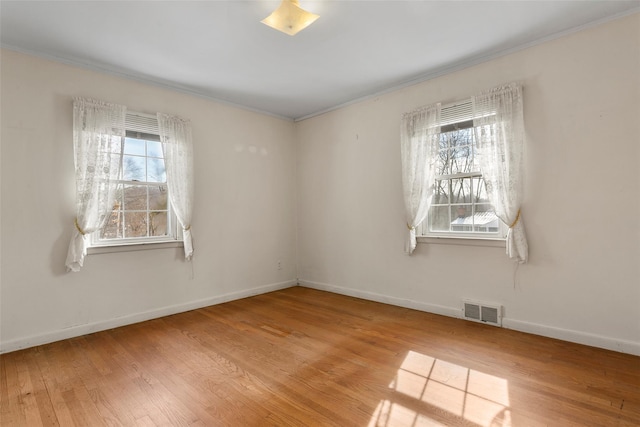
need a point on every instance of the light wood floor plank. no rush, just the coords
(301, 357)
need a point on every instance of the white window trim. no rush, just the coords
(143, 123)
(460, 237)
(96, 243)
(495, 242)
(130, 247)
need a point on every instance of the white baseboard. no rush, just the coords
(593, 340)
(372, 296)
(578, 337)
(90, 328)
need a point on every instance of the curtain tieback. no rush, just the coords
(187, 228)
(80, 230)
(410, 227)
(513, 224)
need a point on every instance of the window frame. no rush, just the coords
(456, 116)
(144, 127)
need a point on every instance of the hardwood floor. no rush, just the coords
(301, 357)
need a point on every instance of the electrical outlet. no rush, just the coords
(279, 265)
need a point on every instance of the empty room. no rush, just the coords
(320, 213)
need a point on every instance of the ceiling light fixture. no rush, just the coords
(290, 18)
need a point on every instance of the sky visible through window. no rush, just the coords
(143, 161)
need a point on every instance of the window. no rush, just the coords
(446, 192)
(134, 180)
(141, 211)
(460, 206)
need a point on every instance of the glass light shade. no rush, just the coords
(290, 18)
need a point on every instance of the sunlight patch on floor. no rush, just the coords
(425, 385)
(393, 414)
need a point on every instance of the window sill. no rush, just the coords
(134, 247)
(464, 241)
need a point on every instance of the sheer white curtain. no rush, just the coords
(499, 127)
(175, 135)
(419, 135)
(98, 136)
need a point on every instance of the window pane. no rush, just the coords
(485, 220)
(461, 190)
(135, 224)
(155, 170)
(134, 146)
(461, 160)
(133, 168)
(479, 191)
(135, 197)
(158, 197)
(115, 164)
(459, 157)
(442, 163)
(484, 207)
(113, 227)
(462, 218)
(439, 218)
(475, 166)
(456, 153)
(117, 199)
(158, 223)
(444, 141)
(441, 192)
(154, 149)
(461, 137)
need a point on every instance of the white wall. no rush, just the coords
(582, 113)
(244, 219)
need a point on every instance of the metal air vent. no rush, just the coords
(482, 312)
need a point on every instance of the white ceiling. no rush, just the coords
(220, 50)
